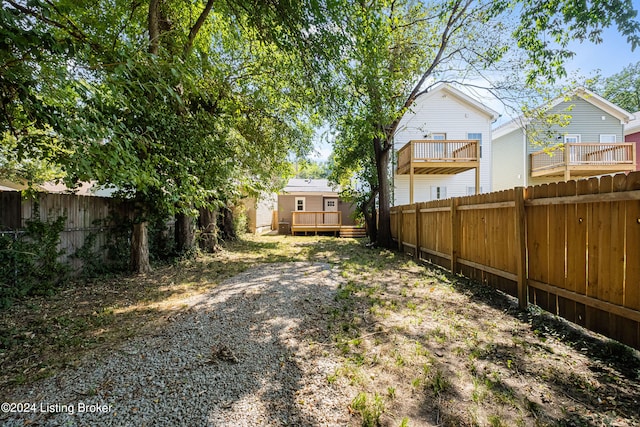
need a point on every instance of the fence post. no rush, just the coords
(521, 247)
(416, 253)
(399, 227)
(455, 234)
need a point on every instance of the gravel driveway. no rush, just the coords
(251, 352)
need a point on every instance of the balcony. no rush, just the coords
(441, 157)
(438, 157)
(583, 159)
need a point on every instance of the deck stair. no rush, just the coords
(352, 231)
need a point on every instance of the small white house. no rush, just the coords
(443, 146)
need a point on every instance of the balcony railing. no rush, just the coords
(423, 155)
(316, 221)
(583, 159)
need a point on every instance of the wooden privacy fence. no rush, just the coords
(84, 215)
(572, 248)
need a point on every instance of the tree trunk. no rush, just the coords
(225, 221)
(185, 233)
(373, 235)
(208, 241)
(384, 200)
(140, 249)
(369, 211)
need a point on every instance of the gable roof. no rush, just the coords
(297, 185)
(585, 94)
(461, 97)
(634, 125)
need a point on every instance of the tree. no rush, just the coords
(306, 169)
(623, 88)
(401, 48)
(173, 104)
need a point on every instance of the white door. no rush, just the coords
(331, 205)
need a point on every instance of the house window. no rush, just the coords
(608, 139)
(438, 193)
(477, 136)
(471, 191)
(300, 201)
(572, 138)
(439, 136)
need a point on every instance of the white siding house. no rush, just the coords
(447, 114)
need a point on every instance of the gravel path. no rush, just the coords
(248, 353)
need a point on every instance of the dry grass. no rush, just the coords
(420, 346)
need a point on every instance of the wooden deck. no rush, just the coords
(323, 222)
(443, 157)
(316, 221)
(584, 159)
(438, 157)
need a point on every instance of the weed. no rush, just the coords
(370, 409)
(391, 392)
(495, 421)
(439, 383)
(405, 422)
(479, 393)
(416, 383)
(332, 378)
(398, 358)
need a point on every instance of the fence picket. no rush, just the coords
(563, 246)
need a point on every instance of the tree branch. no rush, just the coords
(72, 31)
(196, 28)
(456, 14)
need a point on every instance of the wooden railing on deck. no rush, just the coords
(438, 151)
(317, 219)
(583, 154)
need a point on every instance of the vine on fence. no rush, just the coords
(29, 262)
(113, 255)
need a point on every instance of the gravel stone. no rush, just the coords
(251, 352)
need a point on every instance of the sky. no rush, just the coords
(609, 57)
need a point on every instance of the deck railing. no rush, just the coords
(316, 219)
(583, 154)
(438, 151)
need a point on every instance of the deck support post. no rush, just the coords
(411, 172)
(478, 168)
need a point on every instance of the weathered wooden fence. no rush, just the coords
(84, 215)
(572, 248)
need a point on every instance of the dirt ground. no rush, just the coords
(418, 346)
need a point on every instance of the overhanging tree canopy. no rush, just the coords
(401, 48)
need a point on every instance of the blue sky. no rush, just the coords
(610, 57)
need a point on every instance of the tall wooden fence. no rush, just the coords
(572, 248)
(84, 215)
